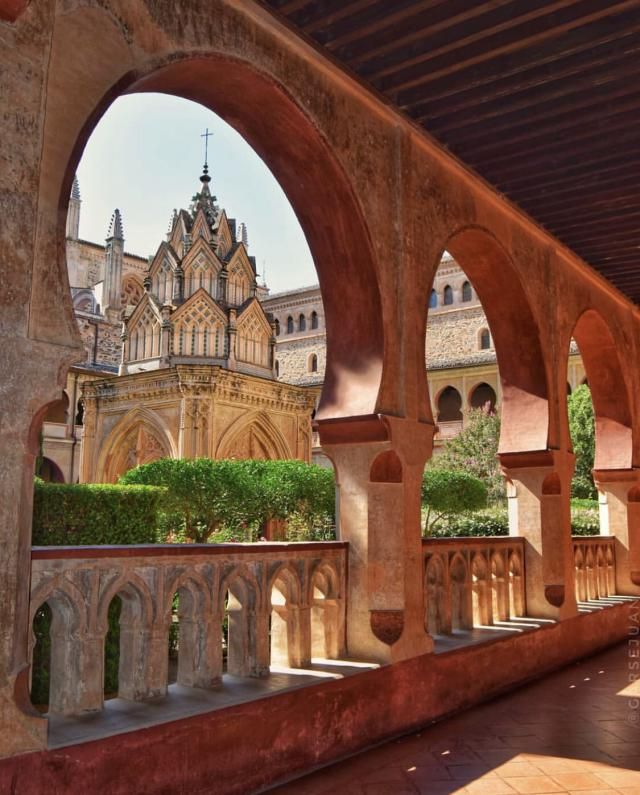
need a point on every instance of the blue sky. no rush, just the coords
(145, 157)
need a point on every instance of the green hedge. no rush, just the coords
(585, 521)
(92, 514)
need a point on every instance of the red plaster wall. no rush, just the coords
(247, 747)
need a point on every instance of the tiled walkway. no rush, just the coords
(576, 731)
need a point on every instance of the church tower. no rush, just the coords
(114, 255)
(73, 214)
(200, 304)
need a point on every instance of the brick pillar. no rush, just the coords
(619, 496)
(538, 488)
(379, 462)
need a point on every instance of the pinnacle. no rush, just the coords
(75, 188)
(115, 226)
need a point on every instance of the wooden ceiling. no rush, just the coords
(540, 97)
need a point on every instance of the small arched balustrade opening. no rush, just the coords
(461, 602)
(438, 618)
(449, 405)
(325, 630)
(481, 592)
(287, 634)
(499, 589)
(239, 629)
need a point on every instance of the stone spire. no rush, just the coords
(115, 227)
(204, 199)
(114, 256)
(242, 236)
(73, 213)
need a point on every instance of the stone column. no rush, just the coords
(538, 489)
(87, 448)
(299, 635)
(619, 497)
(200, 655)
(379, 463)
(77, 671)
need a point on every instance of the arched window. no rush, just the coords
(302, 323)
(449, 405)
(289, 325)
(485, 340)
(313, 363)
(277, 327)
(314, 320)
(447, 296)
(433, 299)
(483, 397)
(467, 295)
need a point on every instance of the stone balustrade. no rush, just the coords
(284, 603)
(595, 564)
(472, 582)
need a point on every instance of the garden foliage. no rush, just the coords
(91, 513)
(583, 439)
(445, 493)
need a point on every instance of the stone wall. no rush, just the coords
(294, 357)
(107, 350)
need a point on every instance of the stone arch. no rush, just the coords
(499, 588)
(449, 405)
(611, 404)
(284, 593)
(68, 625)
(139, 437)
(515, 334)
(483, 396)
(294, 148)
(199, 647)
(254, 435)
(242, 609)
(137, 600)
(324, 597)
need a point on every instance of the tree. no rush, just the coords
(583, 438)
(202, 495)
(475, 451)
(445, 493)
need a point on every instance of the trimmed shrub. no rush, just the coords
(93, 514)
(445, 493)
(490, 522)
(220, 501)
(583, 439)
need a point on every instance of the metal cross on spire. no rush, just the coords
(206, 135)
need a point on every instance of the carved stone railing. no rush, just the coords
(472, 582)
(283, 603)
(595, 562)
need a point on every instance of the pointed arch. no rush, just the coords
(139, 437)
(237, 441)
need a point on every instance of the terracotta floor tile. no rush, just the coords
(518, 769)
(493, 786)
(535, 785)
(577, 781)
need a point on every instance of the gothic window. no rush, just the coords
(197, 331)
(277, 327)
(302, 323)
(447, 296)
(433, 299)
(132, 291)
(163, 283)
(252, 343)
(314, 320)
(144, 338)
(466, 292)
(485, 340)
(289, 325)
(313, 363)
